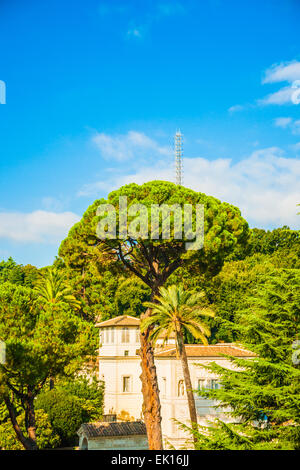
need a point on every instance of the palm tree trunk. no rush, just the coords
(151, 401)
(188, 383)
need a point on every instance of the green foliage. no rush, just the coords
(268, 242)
(96, 290)
(15, 273)
(91, 393)
(264, 393)
(230, 289)
(4, 415)
(72, 403)
(92, 285)
(177, 311)
(40, 343)
(130, 296)
(65, 413)
(46, 436)
(52, 289)
(250, 279)
(219, 435)
(96, 269)
(239, 277)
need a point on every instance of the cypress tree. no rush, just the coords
(262, 394)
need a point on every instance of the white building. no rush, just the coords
(120, 368)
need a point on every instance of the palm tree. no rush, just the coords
(53, 289)
(177, 311)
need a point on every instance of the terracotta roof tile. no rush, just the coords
(199, 350)
(103, 429)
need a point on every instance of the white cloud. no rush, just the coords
(39, 226)
(125, 147)
(160, 170)
(282, 96)
(296, 147)
(284, 72)
(282, 122)
(293, 125)
(52, 204)
(92, 189)
(296, 127)
(265, 185)
(235, 108)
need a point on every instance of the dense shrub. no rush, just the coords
(66, 414)
(89, 391)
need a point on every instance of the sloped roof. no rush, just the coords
(199, 350)
(121, 320)
(105, 429)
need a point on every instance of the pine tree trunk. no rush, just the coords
(28, 443)
(31, 422)
(151, 401)
(188, 383)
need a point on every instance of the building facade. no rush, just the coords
(120, 369)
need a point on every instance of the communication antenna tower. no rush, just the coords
(178, 157)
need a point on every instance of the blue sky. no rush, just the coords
(96, 90)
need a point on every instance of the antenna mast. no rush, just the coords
(178, 157)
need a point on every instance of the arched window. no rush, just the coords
(84, 444)
(180, 391)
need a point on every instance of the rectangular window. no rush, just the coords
(112, 335)
(126, 353)
(201, 384)
(213, 384)
(126, 384)
(137, 335)
(107, 335)
(125, 335)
